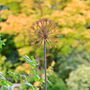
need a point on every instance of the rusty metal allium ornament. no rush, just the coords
(42, 31)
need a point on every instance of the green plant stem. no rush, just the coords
(45, 61)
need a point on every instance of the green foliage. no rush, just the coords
(31, 61)
(10, 54)
(4, 53)
(71, 62)
(36, 78)
(72, 48)
(56, 83)
(80, 78)
(14, 7)
(4, 82)
(1, 43)
(25, 80)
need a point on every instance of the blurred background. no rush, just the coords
(69, 57)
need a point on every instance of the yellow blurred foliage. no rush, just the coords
(24, 68)
(37, 84)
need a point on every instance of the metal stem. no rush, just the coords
(45, 61)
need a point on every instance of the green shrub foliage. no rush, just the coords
(80, 78)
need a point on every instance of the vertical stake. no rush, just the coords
(45, 62)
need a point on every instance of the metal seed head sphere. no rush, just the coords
(43, 29)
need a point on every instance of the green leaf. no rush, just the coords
(29, 84)
(49, 82)
(31, 61)
(28, 60)
(2, 77)
(2, 42)
(15, 76)
(6, 83)
(37, 78)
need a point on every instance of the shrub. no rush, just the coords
(79, 79)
